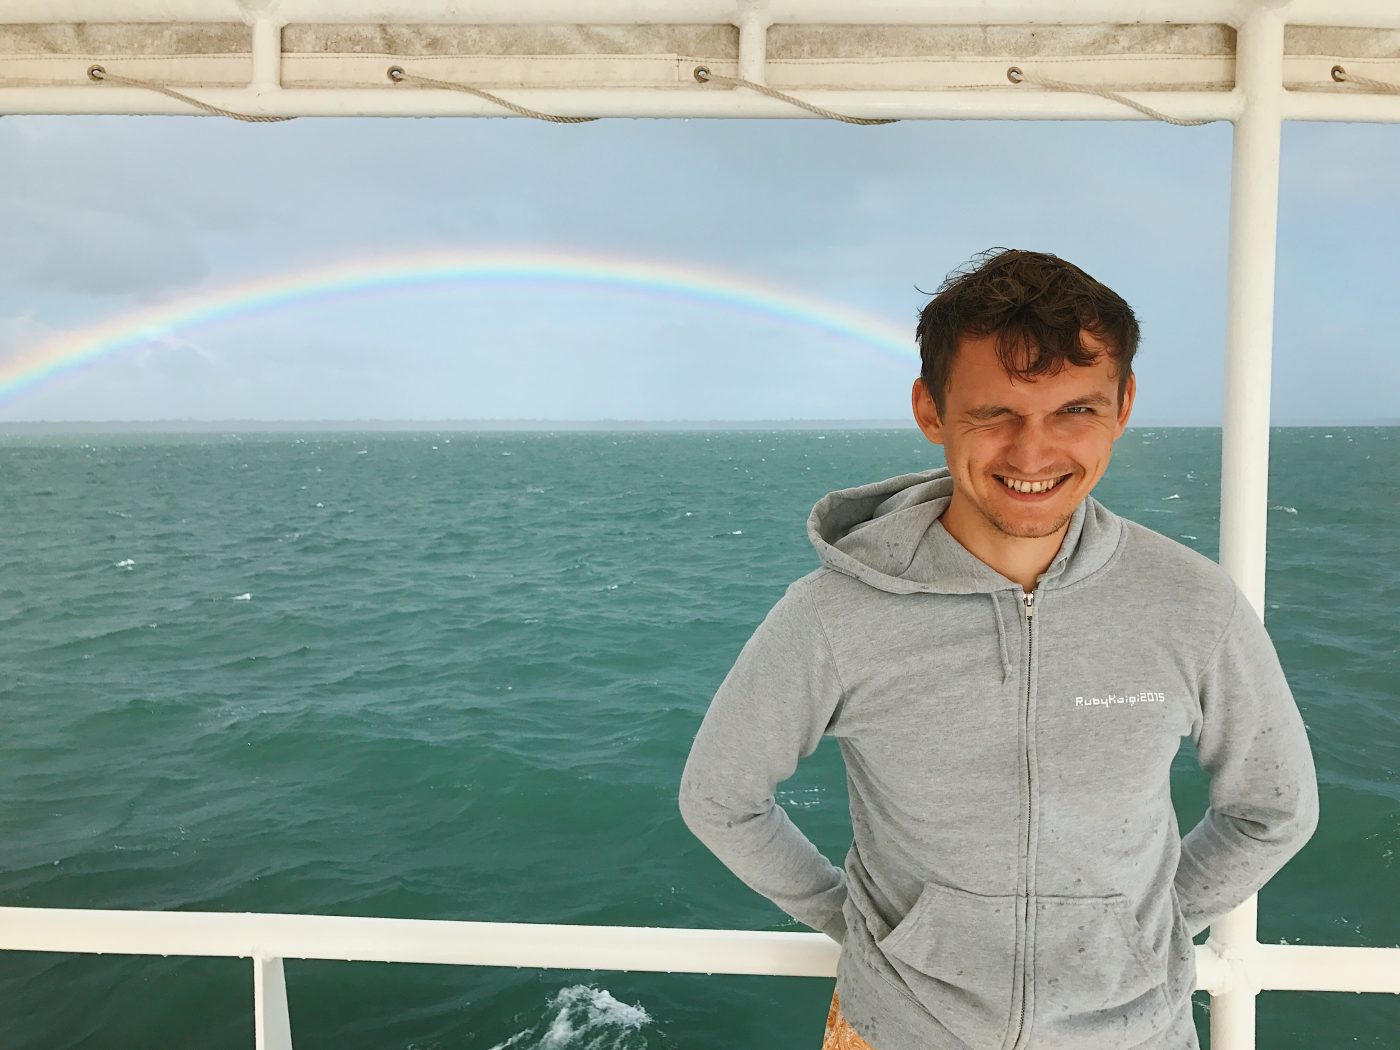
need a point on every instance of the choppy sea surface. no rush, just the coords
(455, 675)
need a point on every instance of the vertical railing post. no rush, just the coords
(272, 1024)
(1244, 474)
(753, 41)
(267, 53)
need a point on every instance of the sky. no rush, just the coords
(701, 269)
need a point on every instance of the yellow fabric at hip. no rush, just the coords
(839, 1034)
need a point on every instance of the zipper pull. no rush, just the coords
(1028, 600)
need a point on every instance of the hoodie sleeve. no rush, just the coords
(1251, 740)
(772, 708)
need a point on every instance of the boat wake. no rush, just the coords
(582, 1017)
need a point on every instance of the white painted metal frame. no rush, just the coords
(268, 939)
(265, 97)
(1233, 966)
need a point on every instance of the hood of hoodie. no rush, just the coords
(889, 534)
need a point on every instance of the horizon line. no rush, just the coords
(499, 422)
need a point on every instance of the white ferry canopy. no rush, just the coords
(601, 58)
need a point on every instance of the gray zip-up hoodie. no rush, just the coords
(1016, 879)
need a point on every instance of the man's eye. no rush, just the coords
(1079, 408)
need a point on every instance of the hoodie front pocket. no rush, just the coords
(956, 952)
(1097, 984)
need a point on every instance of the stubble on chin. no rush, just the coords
(1026, 530)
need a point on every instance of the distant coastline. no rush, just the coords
(224, 426)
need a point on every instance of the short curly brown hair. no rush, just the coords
(1037, 304)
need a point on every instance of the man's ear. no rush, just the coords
(926, 412)
(1129, 391)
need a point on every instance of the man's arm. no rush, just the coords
(1263, 785)
(772, 708)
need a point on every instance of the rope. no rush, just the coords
(1016, 76)
(704, 76)
(1341, 76)
(99, 74)
(398, 76)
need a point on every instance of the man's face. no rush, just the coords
(1057, 427)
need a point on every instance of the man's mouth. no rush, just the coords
(1030, 487)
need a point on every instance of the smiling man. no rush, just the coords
(1009, 669)
(1023, 454)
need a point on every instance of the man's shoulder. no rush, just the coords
(829, 591)
(1149, 553)
(823, 583)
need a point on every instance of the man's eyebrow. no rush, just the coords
(1098, 399)
(987, 412)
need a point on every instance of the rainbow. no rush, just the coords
(402, 273)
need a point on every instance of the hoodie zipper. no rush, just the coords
(1028, 601)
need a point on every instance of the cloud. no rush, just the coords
(20, 333)
(198, 175)
(89, 252)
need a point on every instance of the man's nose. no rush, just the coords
(1032, 448)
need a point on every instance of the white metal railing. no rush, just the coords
(1243, 971)
(265, 96)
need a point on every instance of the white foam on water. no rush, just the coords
(737, 532)
(1174, 495)
(581, 1017)
(1286, 510)
(243, 597)
(125, 563)
(801, 798)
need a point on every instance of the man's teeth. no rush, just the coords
(1029, 486)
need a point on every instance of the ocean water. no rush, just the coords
(455, 675)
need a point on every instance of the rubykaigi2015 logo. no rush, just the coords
(1114, 699)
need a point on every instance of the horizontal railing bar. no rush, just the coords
(605, 12)
(1325, 968)
(943, 105)
(574, 947)
(1317, 105)
(626, 102)
(1377, 14)
(366, 939)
